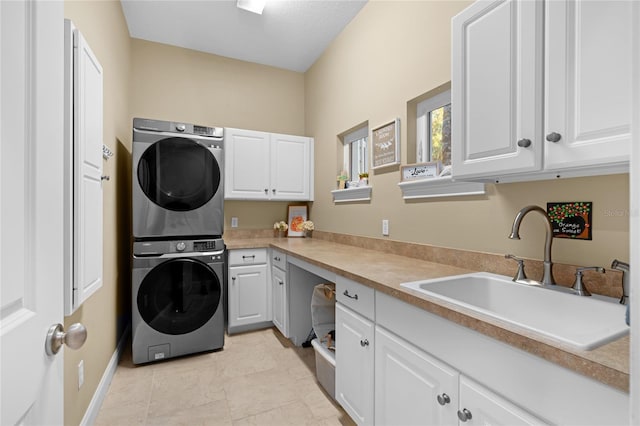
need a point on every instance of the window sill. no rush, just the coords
(361, 193)
(439, 187)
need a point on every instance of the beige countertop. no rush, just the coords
(385, 272)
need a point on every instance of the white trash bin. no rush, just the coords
(323, 319)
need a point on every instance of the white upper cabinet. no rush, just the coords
(588, 84)
(267, 166)
(541, 89)
(496, 88)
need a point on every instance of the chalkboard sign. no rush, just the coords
(385, 145)
(571, 219)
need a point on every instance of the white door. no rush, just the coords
(248, 295)
(246, 165)
(280, 303)
(412, 388)
(290, 167)
(496, 91)
(483, 407)
(31, 209)
(587, 43)
(354, 364)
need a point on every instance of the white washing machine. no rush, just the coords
(177, 298)
(177, 180)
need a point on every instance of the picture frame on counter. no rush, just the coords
(296, 214)
(385, 145)
(420, 171)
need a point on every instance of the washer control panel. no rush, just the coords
(204, 245)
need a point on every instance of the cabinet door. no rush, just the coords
(291, 167)
(496, 88)
(486, 408)
(588, 83)
(354, 364)
(409, 385)
(280, 304)
(249, 301)
(246, 165)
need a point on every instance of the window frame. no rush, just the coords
(423, 123)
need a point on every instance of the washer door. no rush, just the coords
(178, 174)
(179, 296)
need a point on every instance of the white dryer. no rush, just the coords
(177, 298)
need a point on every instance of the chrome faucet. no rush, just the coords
(624, 267)
(547, 275)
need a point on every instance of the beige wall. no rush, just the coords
(170, 83)
(393, 52)
(106, 313)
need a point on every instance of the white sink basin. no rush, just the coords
(582, 322)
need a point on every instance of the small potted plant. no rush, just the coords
(307, 228)
(364, 179)
(280, 228)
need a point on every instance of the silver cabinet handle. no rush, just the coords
(253, 256)
(105, 177)
(443, 399)
(346, 293)
(554, 137)
(74, 338)
(464, 415)
(524, 143)
(364, 343)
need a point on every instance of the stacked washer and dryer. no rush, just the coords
(179, 258)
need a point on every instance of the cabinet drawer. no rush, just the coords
(356, 296)
(247, 257)
(279, 259)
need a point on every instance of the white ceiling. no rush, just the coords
(290, 34)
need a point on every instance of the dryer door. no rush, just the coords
(179, 296)
(179, 174)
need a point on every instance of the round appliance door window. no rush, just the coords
(179, 296)
(178, 174)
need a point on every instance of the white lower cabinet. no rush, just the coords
(480, 406)
(412, 388)
(280, 302)
(248, 288)
(354, 364)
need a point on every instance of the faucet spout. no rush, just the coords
(547, 276)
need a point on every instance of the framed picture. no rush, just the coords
(385, 145)
(420, 171)
(296, 215)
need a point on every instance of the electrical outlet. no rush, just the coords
(385, 227)
(80, 374)
(234, 222)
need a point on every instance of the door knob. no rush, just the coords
(74, 338)
(554, 137)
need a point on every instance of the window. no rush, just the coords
(433, 127)
(356, 160)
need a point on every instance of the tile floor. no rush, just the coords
(259, 378)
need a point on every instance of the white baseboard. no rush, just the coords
(103, 387)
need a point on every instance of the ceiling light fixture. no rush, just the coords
(255, 6)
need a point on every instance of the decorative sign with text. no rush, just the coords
(385, 145)
(571, 220)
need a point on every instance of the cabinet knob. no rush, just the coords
(524, 143)
(364, 343)
(443, 399)
(554, 137)
(273, 190)
(464, 415)
(266, 191)
(233, 279)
